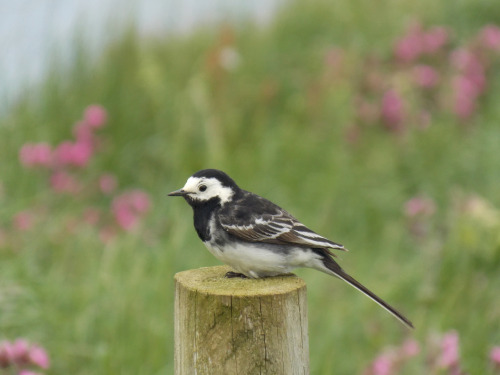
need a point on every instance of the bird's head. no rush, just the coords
(206, 185)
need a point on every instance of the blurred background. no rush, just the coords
(375, 123)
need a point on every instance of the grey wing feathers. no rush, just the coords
(272, 225)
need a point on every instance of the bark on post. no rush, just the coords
(240, 326)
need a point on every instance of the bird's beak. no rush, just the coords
(178, 193)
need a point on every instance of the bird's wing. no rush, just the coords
(256, 219)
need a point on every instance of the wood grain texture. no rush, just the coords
(240, 326)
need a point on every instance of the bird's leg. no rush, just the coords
(231, 275)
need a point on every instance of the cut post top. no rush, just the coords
(212, 280)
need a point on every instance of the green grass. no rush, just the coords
(277, 125)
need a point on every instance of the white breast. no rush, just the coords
(256, 259)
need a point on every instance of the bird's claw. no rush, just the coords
(232, 275)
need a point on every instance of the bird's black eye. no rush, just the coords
(202, 188)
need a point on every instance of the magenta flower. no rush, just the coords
(83, 132)
(383, 365)
(409, 47)
(410, 348)
(28, 372)
(20, 351)
(465, 94)
(129, 207)
(392, 109)
(107, 183)
(38, 357)
(449, 357)
(6, 354)
(435, 39)
(38, 154)
(95, 116)
(419, 206)
(73, 153)
(489, 36)
(425, 76)
(495, 356)
(63, 182)
(23, 220)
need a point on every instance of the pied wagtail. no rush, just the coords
(256, 237)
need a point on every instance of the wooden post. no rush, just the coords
(240, 326)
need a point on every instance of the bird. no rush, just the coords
(256, 237)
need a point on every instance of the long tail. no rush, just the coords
(331, 267)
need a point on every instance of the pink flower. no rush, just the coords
(139, 200)
(410, 348)
(83, 132)
(495, 356)
(425, 76)
(28, 372)
(63, 182)
(409, 47)
(125, 217)
(23, 221)
(449, 357)
(96, 116)
(107, 183)
(392, 110)
(435, 39)
(6, 354)
(417, 42)
(38, 357)
(419, 206)
(489, 37)
(129, 207)
(20, 351)
(465, 94)
(382, 365)
(38, 154)
(73, 153)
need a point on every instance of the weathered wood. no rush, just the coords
(240, 326)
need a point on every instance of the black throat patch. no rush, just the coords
(202, 212)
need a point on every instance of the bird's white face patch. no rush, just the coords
(204, 189)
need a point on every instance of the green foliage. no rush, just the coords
(277, 120)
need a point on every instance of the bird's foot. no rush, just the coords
(231, 275)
